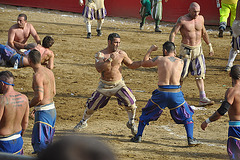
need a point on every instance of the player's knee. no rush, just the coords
(131, 107)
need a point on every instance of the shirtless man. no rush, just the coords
(14, 111)
(191, 27)
(44, 109)
(168, 94)
(232, 105)
(108, 62)
(235, 39)
(19, 33)
(10, 56)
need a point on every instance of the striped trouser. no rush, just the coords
(104, 92)
(156, 9)
(194, 61)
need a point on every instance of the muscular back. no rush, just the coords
(44, 85)
(169, 70)
(232, 96)
(14, 111)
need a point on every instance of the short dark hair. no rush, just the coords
(23, 15)
(47, 42)
(169, 47)
(35, 56)
(235, 72)
(77, 147)
(5, 75)
(112, 36)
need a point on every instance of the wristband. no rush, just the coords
(210, 47)
(207, 121)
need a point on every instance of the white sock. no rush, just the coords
(99, 24)
(86, 116)
(232, 55)
(131, 115)
(88, 25)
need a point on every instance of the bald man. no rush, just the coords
(192, 29)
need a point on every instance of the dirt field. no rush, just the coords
(76, 79)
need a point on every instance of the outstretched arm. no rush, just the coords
(131, 64)
(221, 111)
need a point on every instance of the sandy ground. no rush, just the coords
(76, 79)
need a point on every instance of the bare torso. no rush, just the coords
(233, 95)
(14, 108)
(169, 70)
(111, 71)
(20, 35)
(44, 79)
(191, 30)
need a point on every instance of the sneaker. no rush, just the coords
(205, 101)
(193, 142)
(141, 26)
(99, 33)
(220, 34)
(133, 128)
(89, 35)
(137, 139)
(227, 69)
(158, 30)
(80, 126)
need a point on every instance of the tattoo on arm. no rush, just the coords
(154, 59)
(39, 89)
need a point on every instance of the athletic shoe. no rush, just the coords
(141, 26)
(137, 139)
(193, 142)
(220, 34)
(227, 69)
(80, 126)
(158, 30)
(99, 33)
(205, 101)
(133, 128)
(89, 35)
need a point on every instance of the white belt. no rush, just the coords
(45, 107)
(15, 136)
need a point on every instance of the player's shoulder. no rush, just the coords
(121, 52)
(13, 27)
